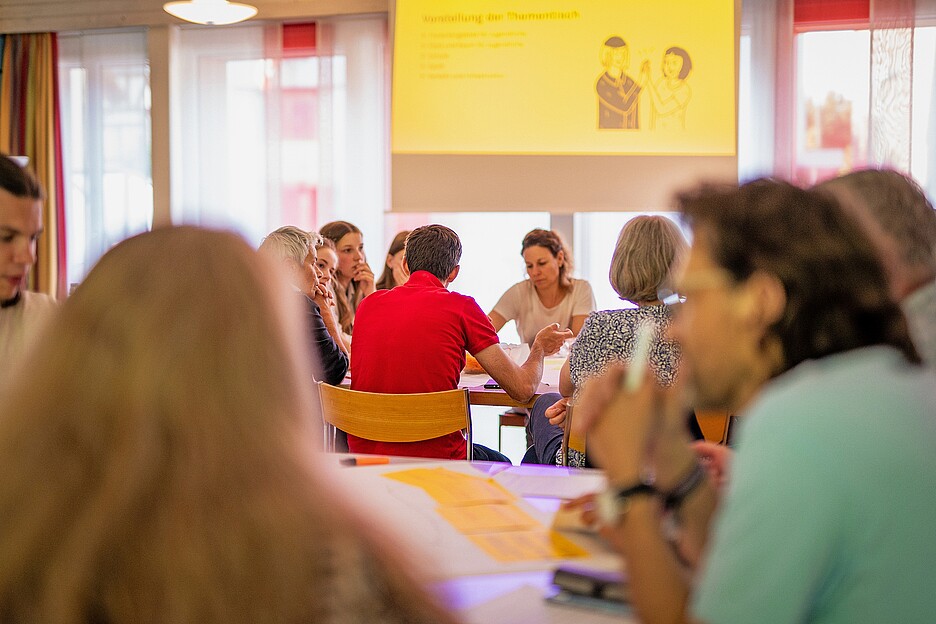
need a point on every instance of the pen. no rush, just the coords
(364, 461)
(638, 364)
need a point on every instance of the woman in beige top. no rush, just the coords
(550, 295)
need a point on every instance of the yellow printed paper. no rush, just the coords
(513, 546)
(488, 518)
(449, 487)
(485, 513)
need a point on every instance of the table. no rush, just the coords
(477, 587)
(479, 395)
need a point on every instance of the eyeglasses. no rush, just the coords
(694, 282)
(703, 279)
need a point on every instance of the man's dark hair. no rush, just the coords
(836, 289)
(433, 248)
(18, 181)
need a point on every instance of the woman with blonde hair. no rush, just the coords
(354, 278)
(550, 295)
(647, 251)
(295, 253)
(157, 459)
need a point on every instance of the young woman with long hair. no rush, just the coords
(354, 278)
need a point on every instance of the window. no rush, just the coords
(923, 146)
(105, 104)
(834, 127)
(833, 91)
(287, 125)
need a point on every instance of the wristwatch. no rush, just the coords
(613, 503)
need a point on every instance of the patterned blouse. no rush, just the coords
(610, 336)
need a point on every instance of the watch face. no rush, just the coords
(610, 507)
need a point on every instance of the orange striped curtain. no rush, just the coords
(29, 126)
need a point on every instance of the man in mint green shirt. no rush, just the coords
(829, 514)
(830, 511)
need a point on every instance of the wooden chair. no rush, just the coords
(714, 425)
(394, 417)
(566, 435)
(576, 442)
(511, 419)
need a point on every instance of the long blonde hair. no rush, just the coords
(348, 300)
(156, 463)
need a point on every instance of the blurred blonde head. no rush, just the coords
(647, 250)
(290, 243)
(157, 455)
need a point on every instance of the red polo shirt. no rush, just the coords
(410, 339)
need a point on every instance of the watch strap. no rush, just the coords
(613, 503)
(674, 498)
(634, 490)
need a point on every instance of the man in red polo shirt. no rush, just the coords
(413, 338)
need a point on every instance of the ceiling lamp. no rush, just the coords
(213, 12)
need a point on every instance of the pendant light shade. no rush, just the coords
(213, 12)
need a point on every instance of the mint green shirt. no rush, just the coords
(831, 512)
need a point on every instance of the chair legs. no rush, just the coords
(513, 419)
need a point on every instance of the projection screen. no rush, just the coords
(560, 106)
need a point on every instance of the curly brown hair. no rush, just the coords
(836, 289)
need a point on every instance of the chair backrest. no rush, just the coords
(570, 440)
(395, 417)
(566, 434)
(714, 425)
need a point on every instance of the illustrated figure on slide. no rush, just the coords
(670, 95)
(618, 93)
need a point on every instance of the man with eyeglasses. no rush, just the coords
(828, 516)
(22, 313)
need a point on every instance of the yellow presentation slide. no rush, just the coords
(564, 77)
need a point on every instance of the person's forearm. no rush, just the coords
(529, 375)
(331, 325)
(675, 463)
(527, 381)
(694, 517)
(659, 589)
(566, 388)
